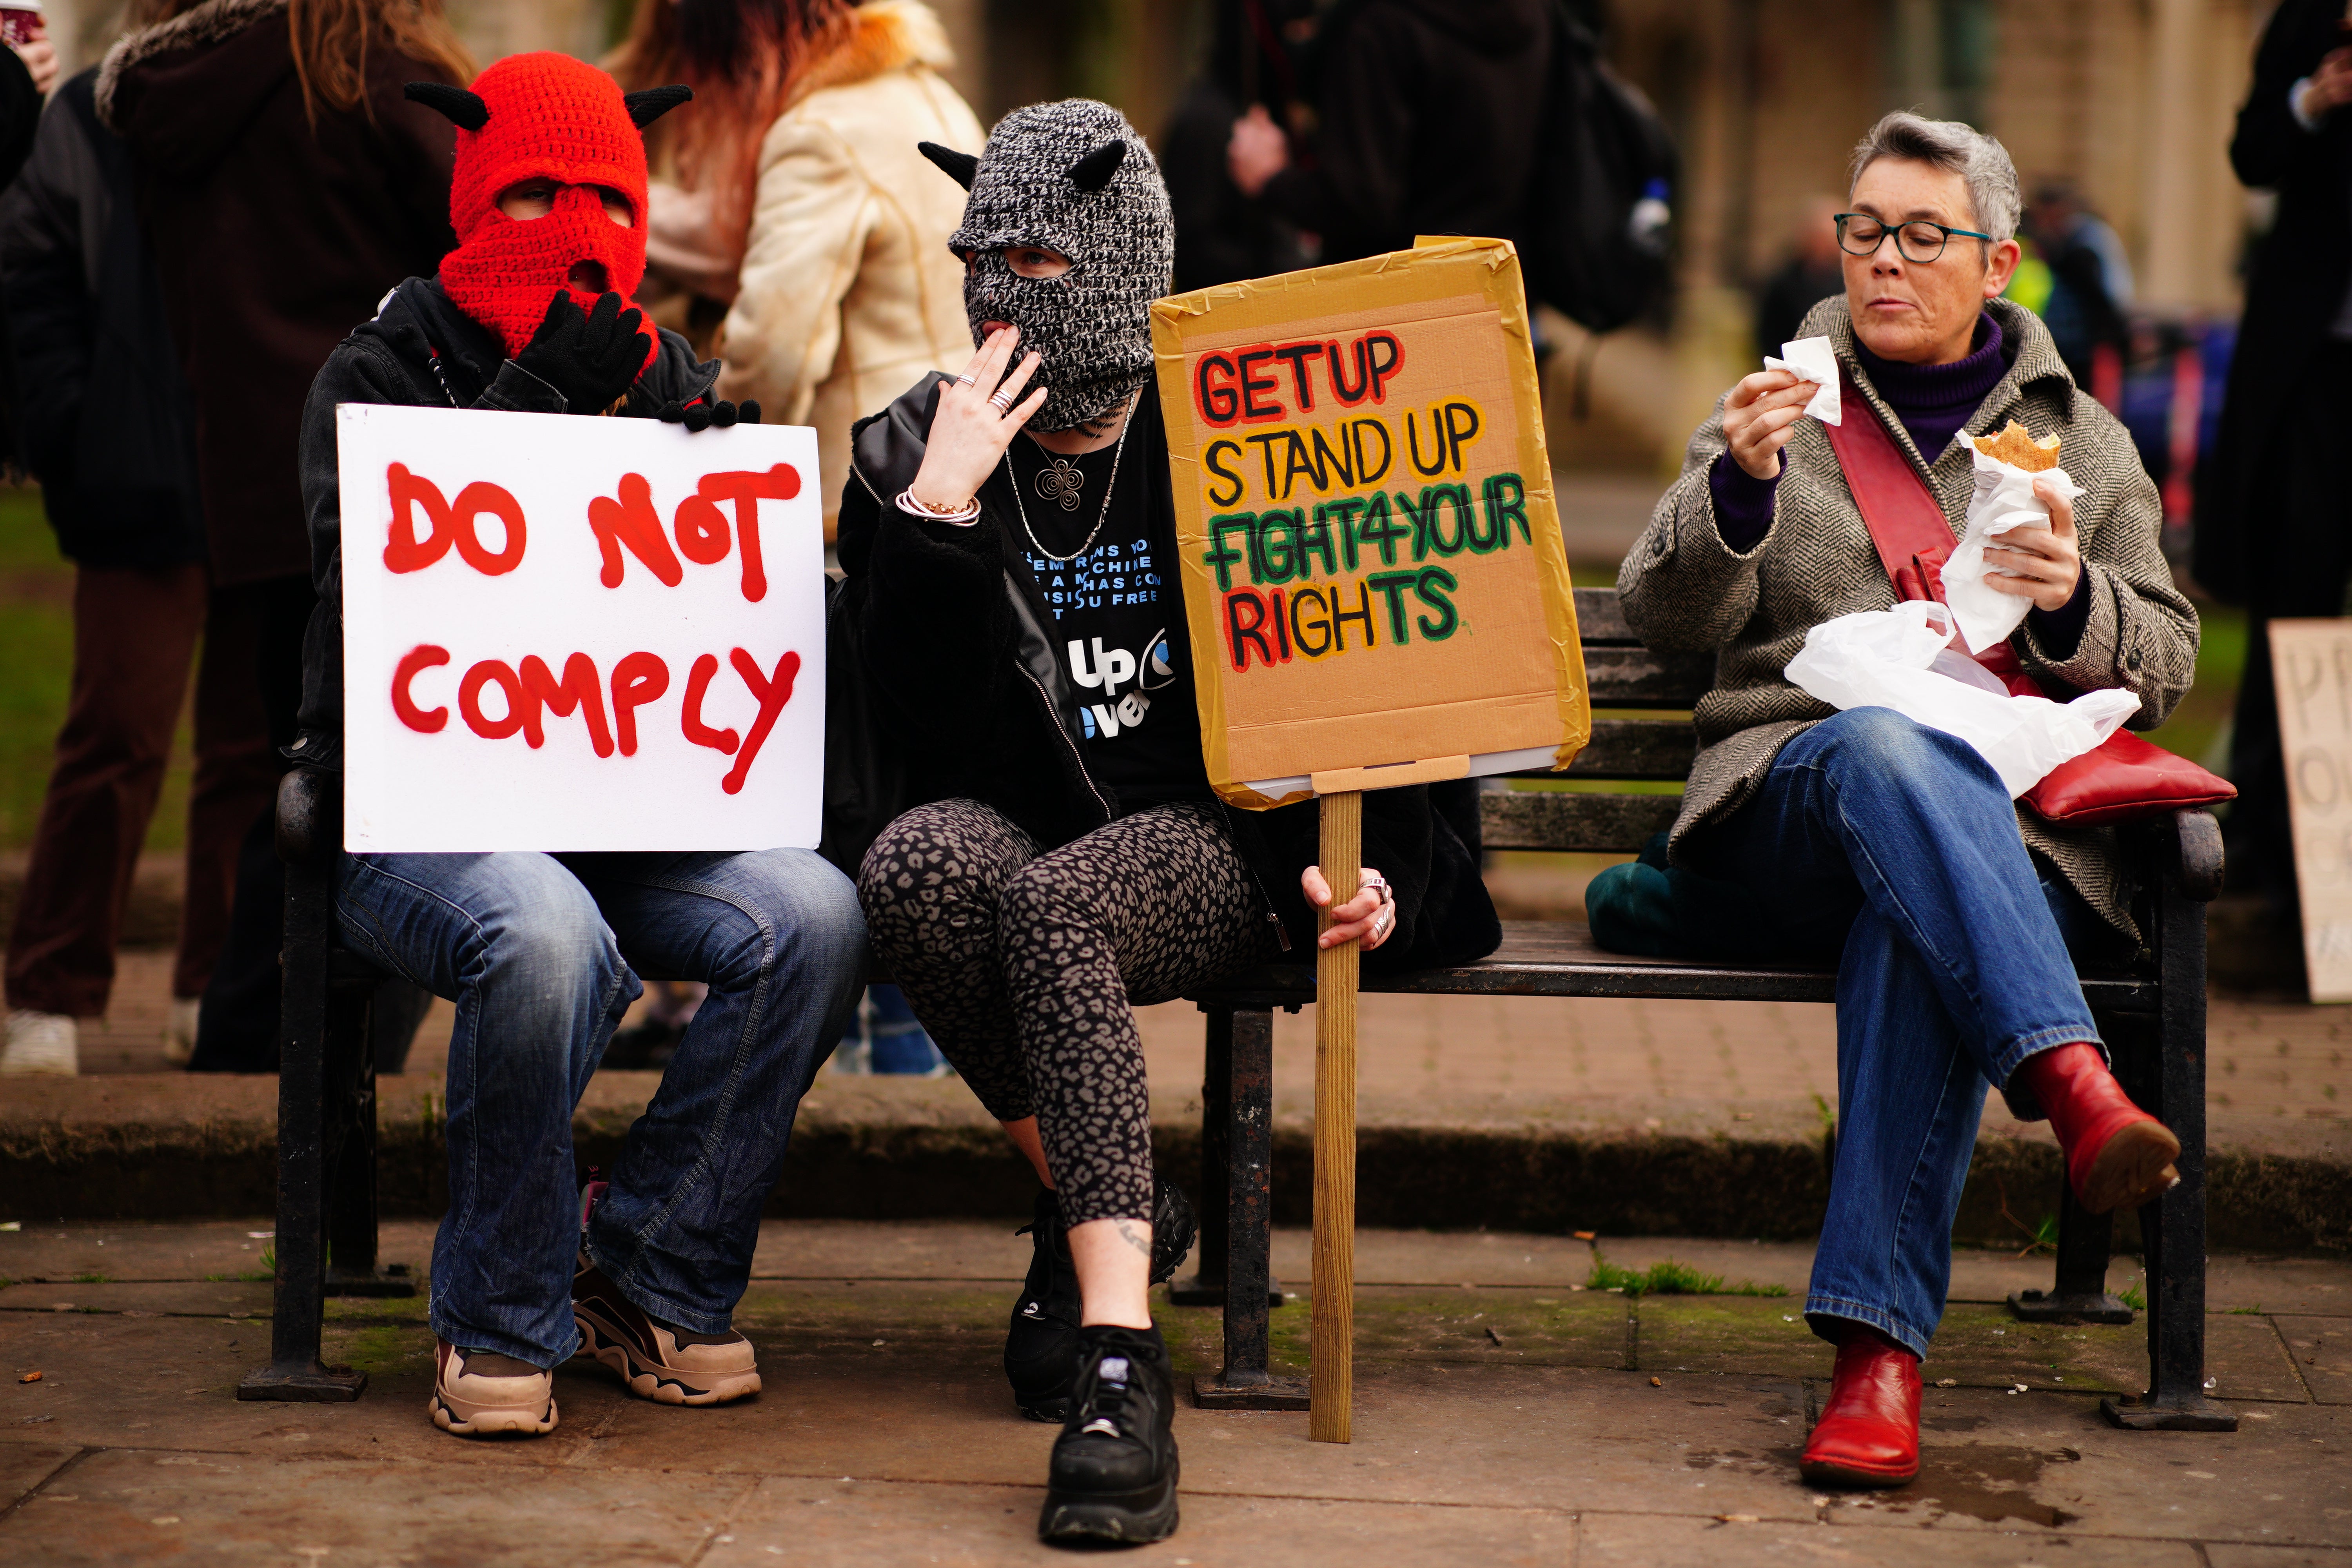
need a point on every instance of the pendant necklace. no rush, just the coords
(1061, 483)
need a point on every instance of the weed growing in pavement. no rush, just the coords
(2253, 1311)
(268, 1265)
(1668, 1278)
(92, 1279)
(2134, 1296)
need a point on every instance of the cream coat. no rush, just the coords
(848, 292)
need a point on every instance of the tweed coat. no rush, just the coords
(1684, 589)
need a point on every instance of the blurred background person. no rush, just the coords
(285, 185)
(2089, 289)
(794, 230)
(1426, 121)
(1811, 275)
(792, 200)
(2274, 505)
(104, 421)
(1256, 61)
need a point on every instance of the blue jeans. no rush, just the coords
(1894, 848)
(536, 950)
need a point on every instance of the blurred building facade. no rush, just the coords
(2128, 101)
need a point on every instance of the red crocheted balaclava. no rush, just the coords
(544, 116)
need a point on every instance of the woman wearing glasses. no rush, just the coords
(1891, 848)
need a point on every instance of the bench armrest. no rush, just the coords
(309, 809)
(2196, 854)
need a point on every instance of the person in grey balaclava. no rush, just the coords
(1055, 855)
(1076, 178)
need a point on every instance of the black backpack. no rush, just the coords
(1599, 207)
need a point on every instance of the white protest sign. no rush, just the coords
(578, 633)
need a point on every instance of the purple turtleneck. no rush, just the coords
(1934, 402)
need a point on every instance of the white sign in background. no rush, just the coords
(578, 633)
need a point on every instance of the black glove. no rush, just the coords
(700, 416)
(590, 359)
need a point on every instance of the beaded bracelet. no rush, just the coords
(965, 514)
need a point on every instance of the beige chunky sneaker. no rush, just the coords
(41, 1042)
(669, 1366)
(477, 1394)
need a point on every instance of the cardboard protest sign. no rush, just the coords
(1372, 566)
(567, 634)
(2311, 661)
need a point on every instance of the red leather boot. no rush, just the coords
(1868, 1435)
(2117, 1156)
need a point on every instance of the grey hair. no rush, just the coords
(1981, 163)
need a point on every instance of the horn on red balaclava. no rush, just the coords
(544, 116)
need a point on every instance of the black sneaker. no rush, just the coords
(1113, 1474)
(1041, 1349)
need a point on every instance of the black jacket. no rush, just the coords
(390, 360)
(956, 642)
(2295, 286)
(104, 419)
(1428, 113)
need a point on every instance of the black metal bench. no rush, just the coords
(2152, 1015)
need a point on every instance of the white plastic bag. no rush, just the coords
(2004, 500)
(1884, 659)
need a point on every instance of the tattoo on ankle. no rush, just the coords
(1135, 1238)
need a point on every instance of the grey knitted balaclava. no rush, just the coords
(1076, 177)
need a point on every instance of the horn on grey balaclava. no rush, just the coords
(1075, 177)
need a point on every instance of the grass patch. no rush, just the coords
(93, 1279)
(1668, 1278)
(2133, 1295)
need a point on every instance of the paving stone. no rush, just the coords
(796, 1520)
(1682, 1543)
(23, 1466)
(161, 1506)
(2322, 1351)
(201, 1298)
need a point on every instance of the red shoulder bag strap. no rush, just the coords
(1904, 521)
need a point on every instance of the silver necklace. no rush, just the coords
(1069, 497)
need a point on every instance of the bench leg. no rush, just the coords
(1245, 1384)
(1206, 1286)
(2173, 1227)
(295, 1372)
(2086, 1240)
(351, 1207)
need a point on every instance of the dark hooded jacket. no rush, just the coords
(1428, 113)
(272, 236)
(2295, 286)
(957, 643)
(420, 350)
(103, 417)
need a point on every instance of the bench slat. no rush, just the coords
(1637, 678)
(1636, 749)
(1557, 958)
(1592, 824)
(1599, 618)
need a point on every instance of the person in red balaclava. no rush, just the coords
(531, 313)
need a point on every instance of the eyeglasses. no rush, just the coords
(1918, 241)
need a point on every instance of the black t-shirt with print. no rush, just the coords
(1118, 607)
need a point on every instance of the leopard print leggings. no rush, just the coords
(1026, 967)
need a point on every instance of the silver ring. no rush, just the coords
(967, 379)
(1374, 879)
(1001, 400)
(1381, 920)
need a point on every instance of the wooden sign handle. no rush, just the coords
(1330, 1384)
